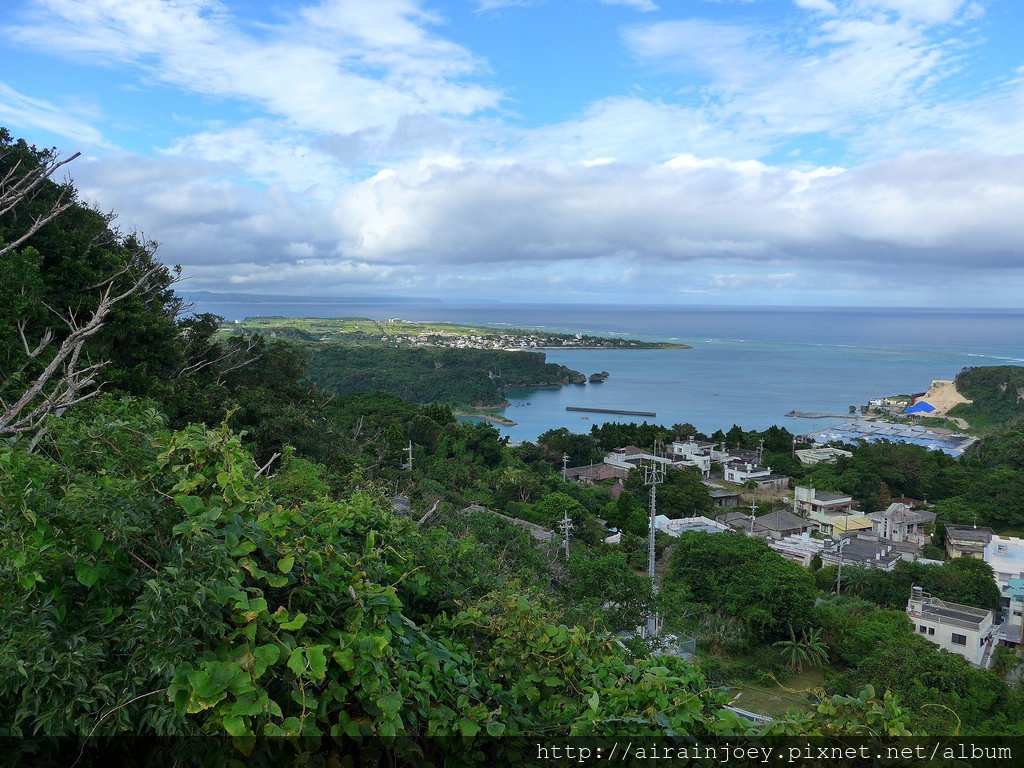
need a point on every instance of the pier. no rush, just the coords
(610, 410)
(804, 415)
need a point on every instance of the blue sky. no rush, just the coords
(816, 152)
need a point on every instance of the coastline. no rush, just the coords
(485, 415)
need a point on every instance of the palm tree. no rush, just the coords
(809, 649)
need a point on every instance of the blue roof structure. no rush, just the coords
(858, 430)
(921, 407)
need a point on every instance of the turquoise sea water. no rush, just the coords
(748, 366)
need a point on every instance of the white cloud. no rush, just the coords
(841, 76)
(339, 66)
(641, 5)
(18, 109)
(822, 6)
(931, 11)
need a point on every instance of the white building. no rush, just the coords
(808, 499)
(693, 453)
(677, 527)
(740, 473)
(953, 627)
(800, 548)
(826, 455)
(900, 523)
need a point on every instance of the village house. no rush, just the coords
(838, 525)
(740, 472)
(967, 541)
(629, 456)
(826, 455)
(722, 498)
(1013, 613)
(596, 473)
(775, 525)
(864, 550)
(956, 628)
(1006, 556)
(800, 548)
(679, 526)
(808, 499)
(694, 453)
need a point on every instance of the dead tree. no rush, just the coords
(59, 374)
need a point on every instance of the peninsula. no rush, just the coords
(393, 332)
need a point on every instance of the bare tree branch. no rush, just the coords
(62, 383)
(14, 191)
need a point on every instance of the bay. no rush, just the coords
(749, 365)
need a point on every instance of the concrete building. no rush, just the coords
(722, 498)
(826, 455)
(865, 550)
(694, 453)
(837, 525)
(1006, 556)
(808, 499)
(630, 457)
(776, 525)
(740, 472)
(800, 548)
(683, 525)
(901, 524)
(967, 541)
(1013, 614)
(956, 628)
(596, 473)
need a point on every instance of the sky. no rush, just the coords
(686, 152)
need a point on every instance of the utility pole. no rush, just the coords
(753, 509)
(839, 575)
(565, 466)
(653, 475)
(565, 526)
(408, 464)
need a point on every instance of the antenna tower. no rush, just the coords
(654, 474)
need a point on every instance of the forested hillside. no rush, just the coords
(453, 376)
(197, 544)
(996, 394)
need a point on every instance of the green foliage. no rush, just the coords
(612, 435)
(942, 691)
(581, 449)
(808, 649)
(743, 578)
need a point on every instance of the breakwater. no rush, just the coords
(610, 410)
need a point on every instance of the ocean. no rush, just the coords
(748, 366)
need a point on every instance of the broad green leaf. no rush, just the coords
(495, 729)
(86, 573)
(191, 504)
(235, 726)
(391, 703)
(94, 540)
(297, 661)
(317, 661)
(297, 623)
(285, 565)
(468, 728)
